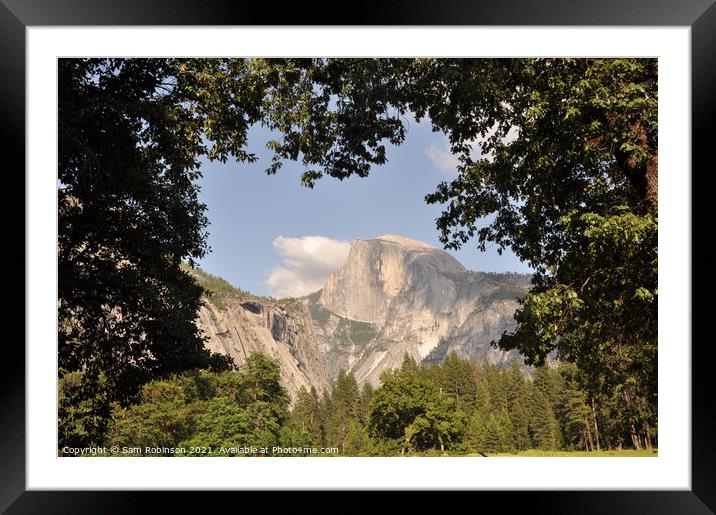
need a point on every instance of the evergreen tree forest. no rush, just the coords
(459, 407)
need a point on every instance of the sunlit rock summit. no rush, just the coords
(418, 300)
(393, 295)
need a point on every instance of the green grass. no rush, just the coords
(625, 453)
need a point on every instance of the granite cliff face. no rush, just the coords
(238, 328)
(237, 323)
(417, 299)
(393, 296)
(380, 270)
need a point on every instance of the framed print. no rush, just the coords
(482, 282)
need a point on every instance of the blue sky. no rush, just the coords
(249, 210)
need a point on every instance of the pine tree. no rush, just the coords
(306, 416)
(543, 425)
(576, 419)
(457, 382)
(546, 394)
(482, 388)
(357, 439)
(518, 397)
(366, 395)
(345, 408)
(260, 378)
(494, 438)
(496, 385)
(477, 431)
(578, 416)
(506, 431)
(409, 365)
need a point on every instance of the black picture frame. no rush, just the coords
(700, 15)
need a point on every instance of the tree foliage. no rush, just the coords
(410, 409)
(229, 409)
(407, 414)
(343, 409)
(560, 155)
(130, 132)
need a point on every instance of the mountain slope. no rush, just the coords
(237, 324)
(392, 296)
(418, 300)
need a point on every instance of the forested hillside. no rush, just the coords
(458, 408)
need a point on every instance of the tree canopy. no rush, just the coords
(411, 410)
(206, 410)
(202, 413)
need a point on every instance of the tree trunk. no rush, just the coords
(589, 436)
(652, 179)
(643, 176)
(635, 437)
(647, 438)
(596, 428)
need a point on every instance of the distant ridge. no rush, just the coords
(408, 243)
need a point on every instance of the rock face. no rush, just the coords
(393, 296)
(237, 329)
(379, 270)
(410, 298)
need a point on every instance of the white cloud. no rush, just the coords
(445, 160)
(307, 262)
(511, 135)
(442, 157)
